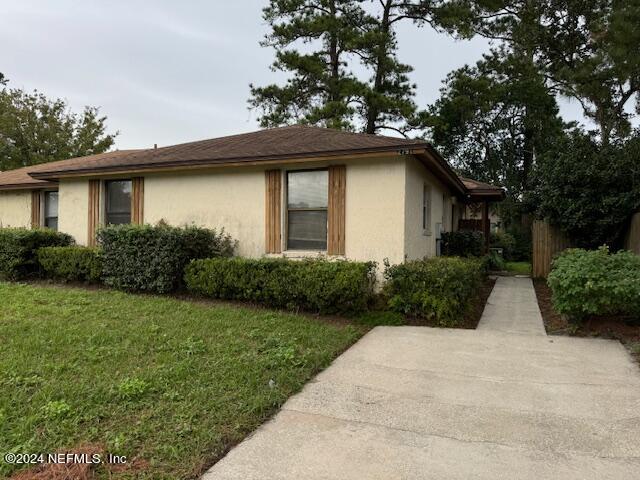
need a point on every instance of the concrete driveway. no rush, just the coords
(501, 402)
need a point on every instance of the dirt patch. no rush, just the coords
(472, 318)
(624, 329)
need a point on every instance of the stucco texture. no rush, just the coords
(233, 199)
(419, 242)
(15, 208)
(383, 206)
(73, 209)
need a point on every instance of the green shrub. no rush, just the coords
(462, 243)
(152, 258)
(313, 285)
(522, 247)
(595, 282)
(494, 262)
(439, 289)
(73, 263)
(19, 246)
(506, 242)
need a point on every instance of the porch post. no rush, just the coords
(486, 225)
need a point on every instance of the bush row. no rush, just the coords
(19, 250)
(462, 243)
(595, 282)
(314, 285)
(71, 264)
(152, 258)
(439, 289)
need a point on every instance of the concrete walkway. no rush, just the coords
(512, 307)
(501, 402)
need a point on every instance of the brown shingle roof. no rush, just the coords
(271, 144)
(477, 188)
(21, 178)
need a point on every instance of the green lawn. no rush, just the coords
(520, 268)
(171, 382)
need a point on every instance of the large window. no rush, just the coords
(307, 198)
(51, 210)
(118, 208)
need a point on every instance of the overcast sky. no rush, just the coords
(167, 72)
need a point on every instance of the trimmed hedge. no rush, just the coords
(314, 285)
(595, 282)
(73, 263)
(19, 247)
(439, 289)
(152, 258)
(462, 243)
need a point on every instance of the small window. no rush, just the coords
(51, 210)
(426, 209)
(118, 204)
(307, 199)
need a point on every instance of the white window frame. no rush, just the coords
(293, 252)
(427, 206)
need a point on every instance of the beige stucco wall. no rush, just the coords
(374, 204)
(73, 205)
(15, 208)
(419, 243)
(382, 217)
(233, 199)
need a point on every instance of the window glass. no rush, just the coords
(308, 189)
(118, 209)
(307, 194)
(51, 210)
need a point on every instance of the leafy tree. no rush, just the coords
(35, 129)
(492, 119)
(590, 49)
(587, 189)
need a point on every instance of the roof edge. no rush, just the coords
(332, 154)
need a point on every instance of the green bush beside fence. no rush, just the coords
(73, 263)
(595, 282)
(439, 289)
(152, 258)
(19, 247)
(313, 285)
(462, 243)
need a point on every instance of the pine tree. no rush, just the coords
(321, 89)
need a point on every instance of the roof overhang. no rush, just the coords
(28, 186)
(434, 162)
(159, 166)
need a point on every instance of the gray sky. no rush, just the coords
(167, 72)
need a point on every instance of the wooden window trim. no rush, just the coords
(337, 210)
(137, 200)
(273, 211)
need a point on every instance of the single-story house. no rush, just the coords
(291, 191)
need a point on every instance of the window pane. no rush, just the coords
(307, 230)
(51, 204)
(51, 222)
(118, 202)
(308, 189)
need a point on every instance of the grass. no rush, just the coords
(171, 383)
(520, 268)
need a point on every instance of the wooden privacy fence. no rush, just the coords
(547, 241)
(632, 239)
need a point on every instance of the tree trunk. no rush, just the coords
(373, 111)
